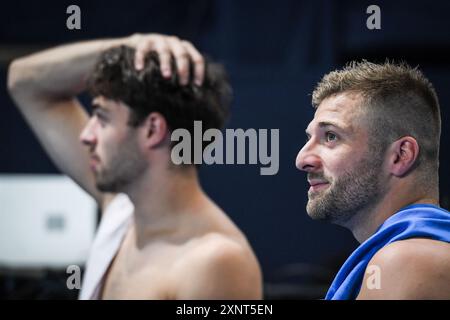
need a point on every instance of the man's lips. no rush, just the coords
(93, 162)
(317, 185)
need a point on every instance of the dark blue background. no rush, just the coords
(275, 52)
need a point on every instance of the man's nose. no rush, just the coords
(88, 135)
(307, 159)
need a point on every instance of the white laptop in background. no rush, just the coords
(46, 221)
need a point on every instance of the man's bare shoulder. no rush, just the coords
(219, 266)
(410, 269)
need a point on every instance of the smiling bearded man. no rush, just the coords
(372, 160)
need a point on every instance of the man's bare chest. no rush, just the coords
(146, 275)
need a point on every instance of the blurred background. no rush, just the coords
(275, 52)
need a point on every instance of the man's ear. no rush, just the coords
(155, 129)
(403, 155)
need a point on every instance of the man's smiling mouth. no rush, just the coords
(317, 185)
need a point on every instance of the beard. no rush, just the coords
(350, 194)
(124, 168)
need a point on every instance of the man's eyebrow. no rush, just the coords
(324, 124)
(96, 107)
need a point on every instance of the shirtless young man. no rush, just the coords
(372, 159)
(176, 243)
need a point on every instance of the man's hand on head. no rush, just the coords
(183, 52)
(45, 85)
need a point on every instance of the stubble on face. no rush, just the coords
(358, 187)
(352, 192)
(121, 162)
(125, 165)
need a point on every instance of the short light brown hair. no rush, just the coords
(398, 101)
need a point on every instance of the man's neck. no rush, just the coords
(365, 224)
(161, 197)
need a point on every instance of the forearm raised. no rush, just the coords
(57, 73)
(44, 86)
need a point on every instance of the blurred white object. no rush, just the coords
(46, 221)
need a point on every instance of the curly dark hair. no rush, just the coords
(146, 91)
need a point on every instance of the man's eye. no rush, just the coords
(102, 120)
(330, 136)
(99, 116)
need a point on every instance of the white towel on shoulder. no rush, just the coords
(111, 231)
